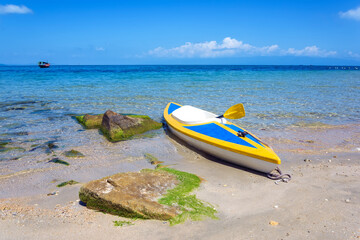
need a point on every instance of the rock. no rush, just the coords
(73, 154)
(58, 160)
(90, 121)
(307, 160)
(131, 194)
(347, 200)
(118, 127)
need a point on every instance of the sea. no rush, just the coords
(39, 105)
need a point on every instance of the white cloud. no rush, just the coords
(212, 49)
(100, 49)
(311, 51)
(10, 8)
(352, 14)
(354, 55)
(230, 47)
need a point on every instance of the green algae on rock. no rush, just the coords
(73, 154)
(4, 142)
(7, 149)
(90, 121)
(70, 182)
(190, 206)
(132, 195)
(118, 127)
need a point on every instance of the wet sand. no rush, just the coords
(322, 201)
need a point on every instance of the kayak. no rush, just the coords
(217, 136)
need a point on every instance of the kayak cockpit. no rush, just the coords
(191, 115)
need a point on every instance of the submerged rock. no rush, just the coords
(118, 127)
(58, 160)
(90, 121)
(73, 154)
(52, 145)
(131, 194)
(4, 142)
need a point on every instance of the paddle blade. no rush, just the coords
(235, 112)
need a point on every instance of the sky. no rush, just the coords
(284, 32)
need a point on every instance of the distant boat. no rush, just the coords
(44, 65)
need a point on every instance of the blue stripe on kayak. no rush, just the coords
(215, 131)
(172, 108)
(236, 128)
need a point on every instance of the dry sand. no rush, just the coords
(322, 201)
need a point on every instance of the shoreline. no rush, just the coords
(320, 202)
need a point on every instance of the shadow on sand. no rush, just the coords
(207, 156)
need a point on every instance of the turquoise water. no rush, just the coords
(39, 103)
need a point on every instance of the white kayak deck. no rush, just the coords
(191, 115)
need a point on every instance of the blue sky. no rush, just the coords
(180, 32)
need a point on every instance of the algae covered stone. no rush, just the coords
(73, 154)
(131, 194)
(163, 194)
(90, 121)
(118, 127)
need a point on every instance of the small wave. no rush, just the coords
(303, 124)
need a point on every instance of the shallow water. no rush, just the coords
(38, 105)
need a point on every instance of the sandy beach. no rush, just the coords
(320, 202)
(100, 101)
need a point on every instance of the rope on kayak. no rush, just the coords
(276, 174)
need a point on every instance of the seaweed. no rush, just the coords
(122, 223)
(71, 182)
(153, 160)
(191, 207)
(58, 160)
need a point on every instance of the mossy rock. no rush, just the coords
(73, 154)
(118, 127)
(90, 121)
(122, 135)
(133, 195)
(130, 194)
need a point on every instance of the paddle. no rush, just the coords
(235, 112)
